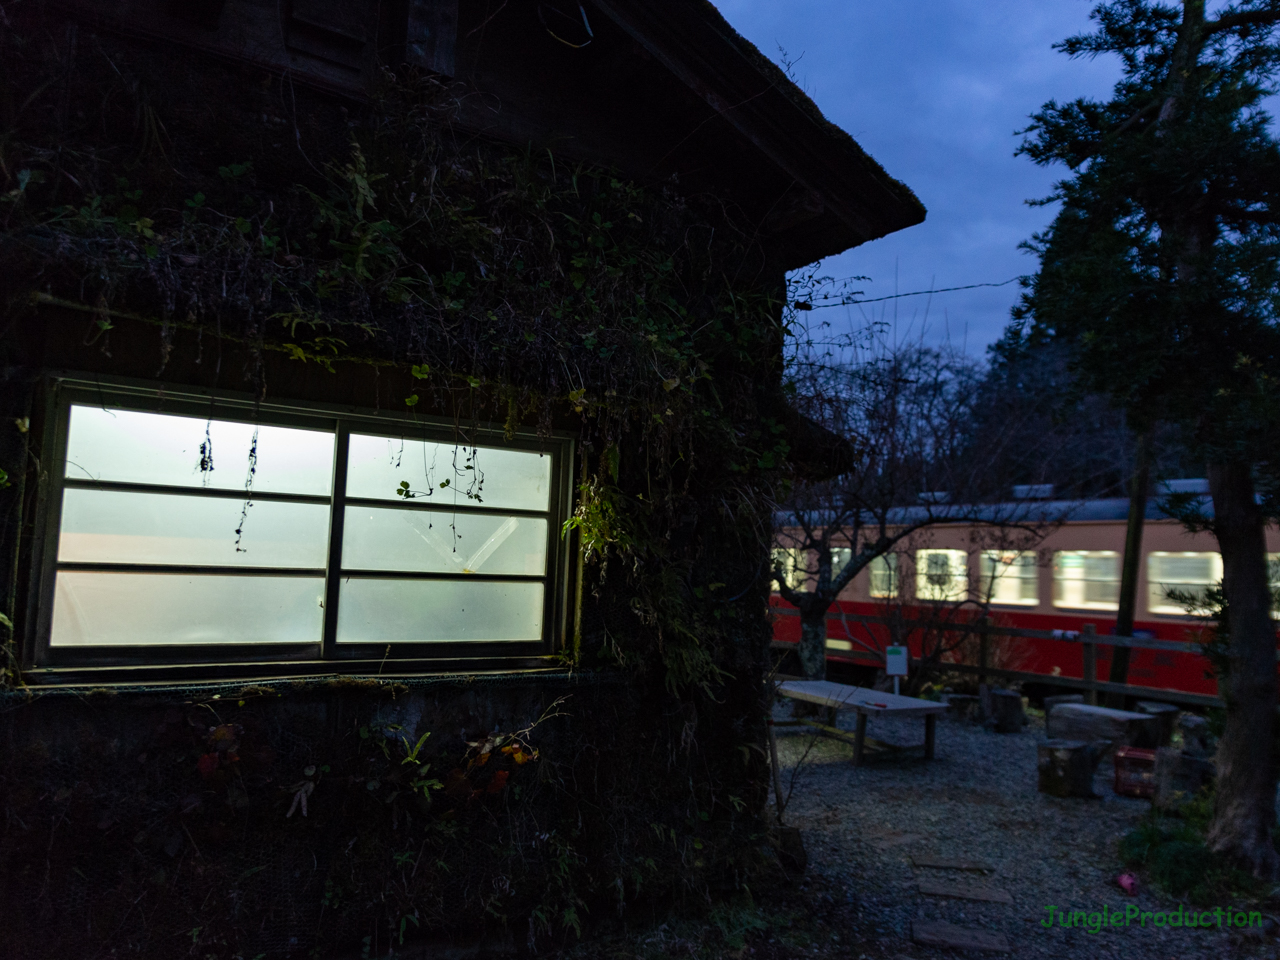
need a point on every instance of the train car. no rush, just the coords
(1060, 577)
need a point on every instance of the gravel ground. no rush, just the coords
(976, 801)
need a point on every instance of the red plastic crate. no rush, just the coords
(1135, 772)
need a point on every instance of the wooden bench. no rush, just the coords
(840, 697)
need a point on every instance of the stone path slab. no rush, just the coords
(940, 934)
(941, 888)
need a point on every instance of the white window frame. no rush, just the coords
(49, 663)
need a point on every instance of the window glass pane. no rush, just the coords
(431, 541)
(1010, 576)
(941, 575)
(430, 611)
(446, 474)
(134, 447)
(118, 526)
(884, 576)
(1188, 574)
(140, 610)
(1087, 579)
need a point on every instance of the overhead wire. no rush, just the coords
(844, 302)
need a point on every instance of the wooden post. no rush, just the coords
(1090, 664)
(859, 738)
(984, 650)
(930, 727)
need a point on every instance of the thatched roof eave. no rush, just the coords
(841, 196)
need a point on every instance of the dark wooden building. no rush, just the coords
(391, 394)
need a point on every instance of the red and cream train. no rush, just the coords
(1059, 580)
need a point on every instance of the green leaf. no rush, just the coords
(420, 370)
(235, 171)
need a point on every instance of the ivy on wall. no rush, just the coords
(508, 283)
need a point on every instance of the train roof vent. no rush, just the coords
(1198, 485)
(1033, 491)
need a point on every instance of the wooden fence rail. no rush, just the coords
(1088, 637)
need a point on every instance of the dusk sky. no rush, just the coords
(934, 90)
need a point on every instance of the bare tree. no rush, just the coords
(909, 412)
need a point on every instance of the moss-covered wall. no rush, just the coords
(154, 824)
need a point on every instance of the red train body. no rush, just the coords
(1158, 669)
(1060, 579)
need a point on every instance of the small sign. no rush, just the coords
(895, 661)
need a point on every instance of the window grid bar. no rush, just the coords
(428, 507)
(442, 575)
(212, 570)
(89, 566)
(171, 490)
(337, 518)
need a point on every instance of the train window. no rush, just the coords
(1177, 582)
(794, 564)
(884, 577)
(941, 575)
(1086, 579)
(1273, 579)
(840, 557)
(1009, 576)
(800, 566)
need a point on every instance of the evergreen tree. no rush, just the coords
(1162, 272)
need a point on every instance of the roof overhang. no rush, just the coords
(840, 197)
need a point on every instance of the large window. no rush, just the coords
(1009, 577)
(1086, 579)
(1177, 582)
(179, 537)
(942, 575)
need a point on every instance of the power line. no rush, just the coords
(807, 305)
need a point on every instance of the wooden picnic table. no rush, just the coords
(839, 697)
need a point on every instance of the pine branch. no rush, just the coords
(1235, 21)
